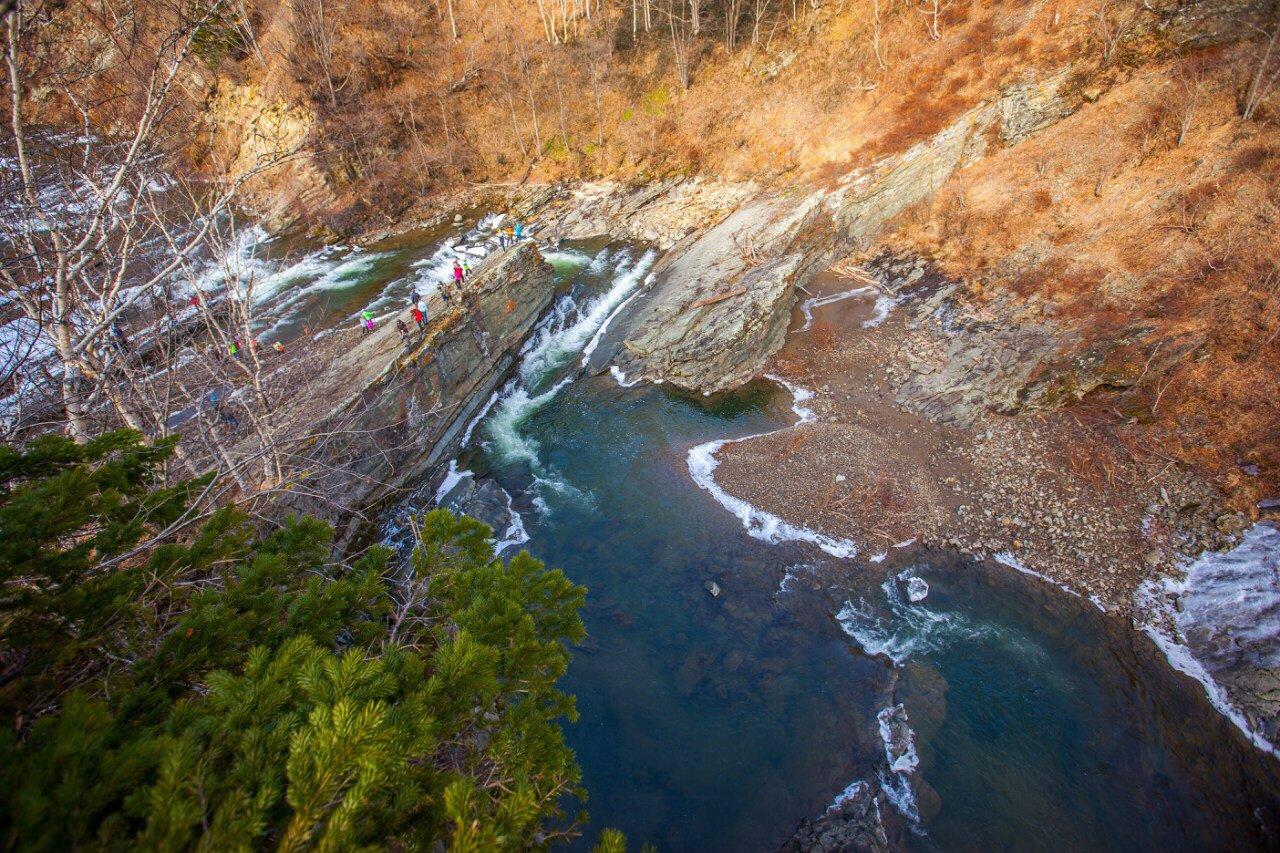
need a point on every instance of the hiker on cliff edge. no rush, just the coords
(419, 317)
(457, 274)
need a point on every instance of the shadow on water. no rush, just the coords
(717, 722)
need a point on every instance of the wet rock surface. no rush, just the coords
(851, 825)
(482, 499)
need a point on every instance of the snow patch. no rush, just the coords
(1226, 612)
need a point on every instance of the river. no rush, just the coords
(719, 721)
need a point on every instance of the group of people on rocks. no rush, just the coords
(418, 310)
(510, 235)
(234, 346)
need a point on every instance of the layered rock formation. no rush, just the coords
(406, 408)
(718, 306)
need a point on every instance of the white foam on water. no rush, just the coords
(517, 405)
(561, 337)
(917, 589)
(554, 351)
(792, 572)
(346, 273)
(852, 790)
(1006, 558)
(799, 396)
(906, 761)
(312, 266)
(604, 327)
(515, 533)
(909, 628)
(760, 524)
(813, 303)
(237, 263)
(897, 790)
(621, 377)
(452, 479)
(884, 305)
(475, 421)
(600, 261)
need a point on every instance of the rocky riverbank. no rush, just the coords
(929, 429)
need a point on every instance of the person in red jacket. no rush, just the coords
(418, 316)
(457, 274)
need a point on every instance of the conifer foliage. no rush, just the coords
(230, 691)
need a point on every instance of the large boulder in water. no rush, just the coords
(852, 824)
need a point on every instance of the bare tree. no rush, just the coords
(732, 14)
(1189, 80)
(1114, 20)
(242, 22)
(757, 19)
(1262, 81)
(877, 29)
(314, 36)
(680, 38)
(87, 238)
(932, 10)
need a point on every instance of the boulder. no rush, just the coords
(852, 824)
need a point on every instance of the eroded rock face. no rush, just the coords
(661, 213)
(871, 197)
(719, 305)
(986, 367)
(254, 130)
(718, 309)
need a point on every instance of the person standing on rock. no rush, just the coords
(502, 238)
(366, 318)
(457, 274)
(403, 330)
(419, 317)
(519, 231)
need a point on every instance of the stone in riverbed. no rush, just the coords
(713, 588)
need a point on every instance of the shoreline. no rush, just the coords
(798, 456)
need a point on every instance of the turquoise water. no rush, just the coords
(718, 723)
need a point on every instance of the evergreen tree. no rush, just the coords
(233, 691)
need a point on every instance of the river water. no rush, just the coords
(718, 722)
